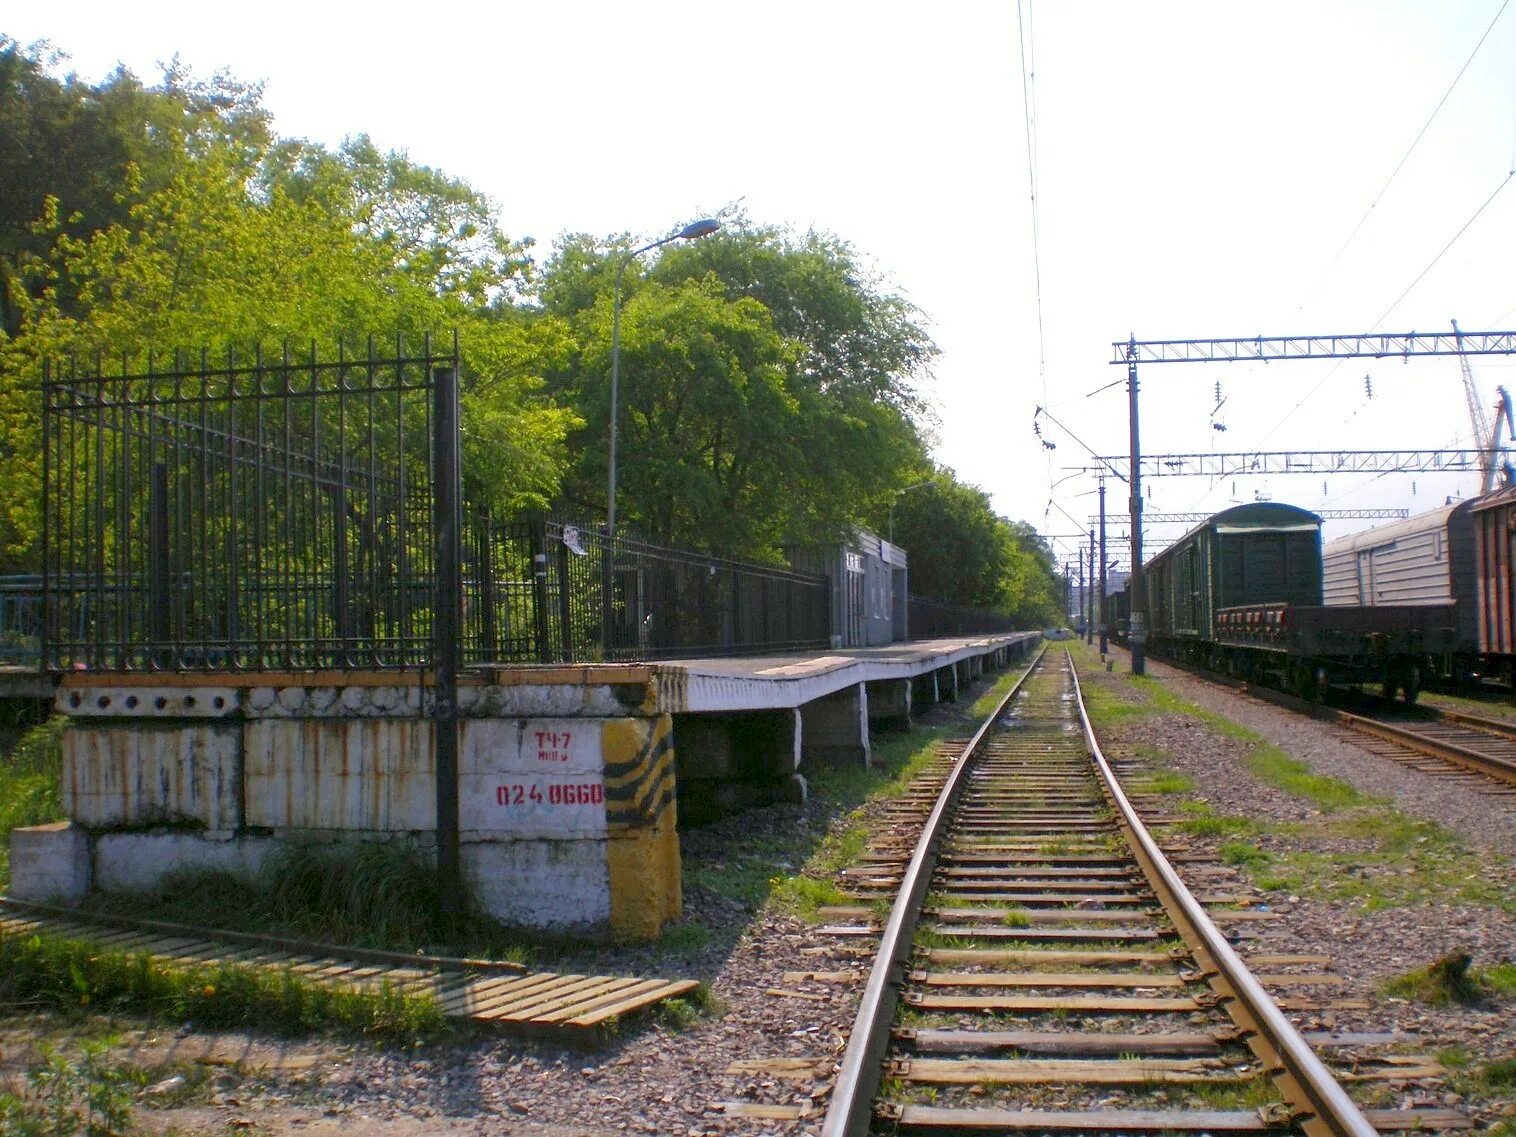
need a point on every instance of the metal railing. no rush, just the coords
(286, 514)
(931, 619)
(250, 514)
(536, 590)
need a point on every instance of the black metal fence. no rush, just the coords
(21, 620)
(248, 514)
(284, 514)
(930, 619)
(537, 589)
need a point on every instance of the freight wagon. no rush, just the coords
(1242, 593)
(1426, 561)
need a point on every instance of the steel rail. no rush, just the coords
(1320, 1104)
(1485, 764)
(1491, 767)
(850, 1113)
(1501, 728)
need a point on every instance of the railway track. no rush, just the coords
(1044, 968)
(1453, 740)
(1479, 751)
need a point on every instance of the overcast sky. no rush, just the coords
(1200, 168)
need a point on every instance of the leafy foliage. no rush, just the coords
(773, 385)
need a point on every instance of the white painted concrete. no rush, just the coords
(151, 774)
(136, 862)
(558, 886)
(531, 778)
(50, 863)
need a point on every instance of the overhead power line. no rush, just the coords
(1027, 50)
(1420, 134)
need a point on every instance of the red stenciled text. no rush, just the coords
(553, 745)
(574, 793)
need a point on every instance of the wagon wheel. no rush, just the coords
(1410, 683)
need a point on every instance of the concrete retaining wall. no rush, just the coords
(567, 776)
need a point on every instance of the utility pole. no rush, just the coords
(1068, 580)
(1089, 625)
(1104, 642)
(1139, 591)
(1080, 558)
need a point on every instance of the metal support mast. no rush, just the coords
(1104, 642)
(1138, 584)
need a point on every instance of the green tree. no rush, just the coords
(961, 552)
(94, 149)
(236, 250)
(741, 432)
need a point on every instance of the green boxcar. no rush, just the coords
(1263, 553)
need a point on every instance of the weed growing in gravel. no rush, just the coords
(73, 1093)
(1107, 708)
(1203, 823)
(1273, 767)
(1440, 983)
(1253, 1094)
(683, 940)
(682, 1013)
(802, 896)
(1167, 782)
(1016, 918)
(1500, 979)
(1244, 853)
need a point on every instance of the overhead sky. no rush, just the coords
(1202, 170)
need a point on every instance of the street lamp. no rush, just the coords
(690, 232)
(898, 495)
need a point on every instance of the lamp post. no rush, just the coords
(692, 231)
(898, 495)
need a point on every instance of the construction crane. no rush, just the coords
(1483, 434)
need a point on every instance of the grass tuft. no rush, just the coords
(1444, 981)
(368, 894)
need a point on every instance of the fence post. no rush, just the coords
(343, 623)
(157, 566)
(445, 626)
(45, 637)
(540, 601)
(489, 650)
(565, 606)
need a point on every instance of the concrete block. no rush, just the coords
(542, 778)
(358, 774)
(553, 886)
(705, 746)
(836, 728)
(50, 862)
(889, 702)
(148, 702)
(130, 772)
(137, 862)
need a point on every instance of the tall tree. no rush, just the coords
(233, 250)
(751, 432)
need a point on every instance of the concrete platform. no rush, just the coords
(569, 780)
